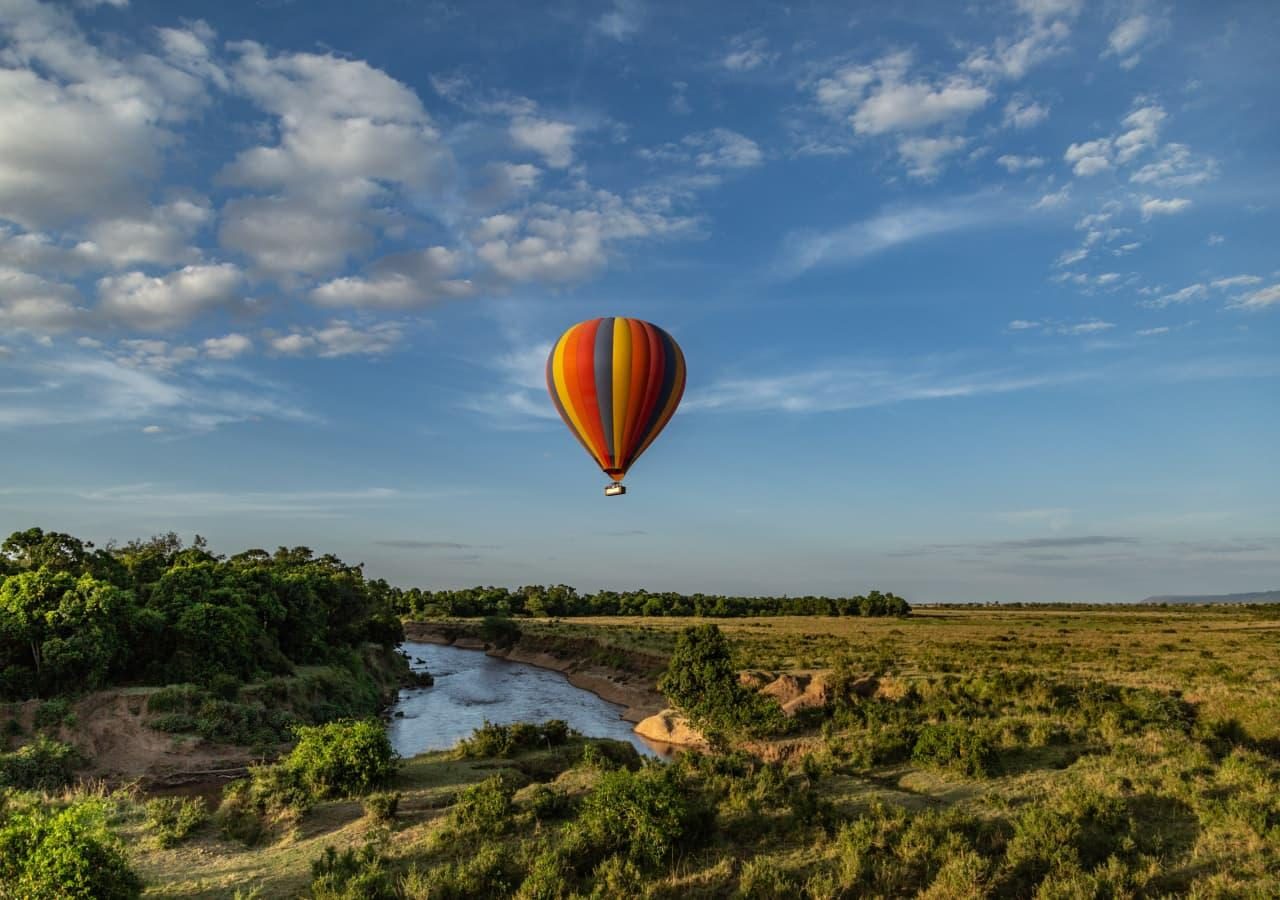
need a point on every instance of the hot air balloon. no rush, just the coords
(616, 383)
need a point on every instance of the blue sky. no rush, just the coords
(979, 302)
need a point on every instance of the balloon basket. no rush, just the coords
(613, 490)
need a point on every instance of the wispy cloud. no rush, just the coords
(805, 250)
(75, 390)
(433, 545)
(176, 501)
(843, 386)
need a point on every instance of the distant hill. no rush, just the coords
(1255, 597)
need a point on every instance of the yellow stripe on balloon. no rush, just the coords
(566, 395)
(621, 384)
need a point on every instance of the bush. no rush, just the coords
(52, 713)
(342, 759)
(643, 815)
(484, 808)
(172, 819)
(505, 741)
(960, 748)
(175, 698)
(352, 875)
(42, 765)
(382, 806)
(64, 854)
(500, 631)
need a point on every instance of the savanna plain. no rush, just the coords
(1046, 752)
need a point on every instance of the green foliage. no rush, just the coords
(563, 601)
(63, 854)
(644, 815)
(500, 631)
(341, 759)
(701, 681)
(956, 746)
(42, 765)
(53, 713)
(352, 875)
(382, 806)
(490, 740)
(485, 807)
(172, 819)
(73, 618)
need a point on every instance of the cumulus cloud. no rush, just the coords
(1053, 200)
(747, 53)
(82, 132)
(399, 281)
(1023, 113)
(161, 237)
(552, 140)
(339, 338)
(157, 303)
(925, 157)
(347, 131)
(882, 97)
(30, 302)
(1131, 34)
(557, 244)
(1154, 206)
(1090, 157)
(622, 22)
(229, 346)
(1014, 163)
(1176, 167)
(722, 148)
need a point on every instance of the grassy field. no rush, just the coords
(1002, 753)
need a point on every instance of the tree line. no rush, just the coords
(74, 616)
(562, 600)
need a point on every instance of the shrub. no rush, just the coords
(500, 631)
(172, 819)
(53, 712)
(64, 854)
(175, 698)
(382, 806)
(489, 872)
(956, 747)
(490, 740)
(42, 765)
(644, 815)
(484, 808)
(342, 759)
(352, 875)
(761, 879)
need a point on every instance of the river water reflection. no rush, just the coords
(472, 687)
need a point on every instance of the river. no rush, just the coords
(472, 687)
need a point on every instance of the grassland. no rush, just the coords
(1051, 753)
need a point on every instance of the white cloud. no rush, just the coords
(1013, 57)
(1175, 168)
(1090, 157)
(747, 53)
(28, 301)
(1224, 284)
(1214, 240)
(1021, 112)
(399, 281)
(162, 237)
(924, 157)
(229, 346)
(883, 99)
(1153, 206)
(722, 148)
(1129, 36)
(152, 429)
(1093, 326)
(557, 244)
(552, 140)
(805, 250)
(77, 390)
(844, 385)
(1152, 332)
(623, 21)
(155, 304)
(1263, 299)
(1013, 163)
(1071, 257)
(340, 338)
(1040, 10)
(1054, 200)
(1022, 325)
(1142, 131)
(1185, 295)
(348, 133)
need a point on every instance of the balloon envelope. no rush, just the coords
(616, 383)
